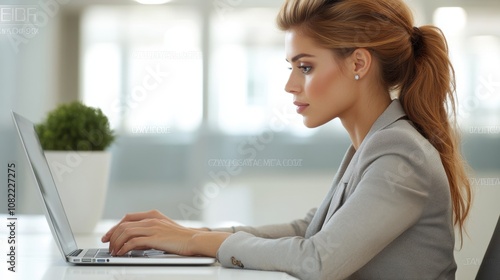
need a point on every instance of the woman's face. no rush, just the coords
(322, 90)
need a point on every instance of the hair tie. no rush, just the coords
(416, 40)
(330, 2)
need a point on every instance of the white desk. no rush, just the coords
(39, 258)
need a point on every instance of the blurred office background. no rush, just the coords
(191, 84)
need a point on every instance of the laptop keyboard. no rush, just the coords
(75, 253)
(91, 253)
(104, 253)
(103, 256)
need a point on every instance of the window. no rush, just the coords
(475, 54)
(481, 104)
(142, 66)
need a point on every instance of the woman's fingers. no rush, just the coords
(153, 214)
(129, 235)
(136, 243)
(152, 234)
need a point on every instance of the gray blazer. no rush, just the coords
(388, 215)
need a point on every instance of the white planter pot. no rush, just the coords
(81, 179)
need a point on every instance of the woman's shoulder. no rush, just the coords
(400, 144)
(400, 135)
(401, 150)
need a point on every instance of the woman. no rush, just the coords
(401, 186)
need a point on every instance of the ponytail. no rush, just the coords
(424, 94)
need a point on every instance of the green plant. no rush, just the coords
(77, 127)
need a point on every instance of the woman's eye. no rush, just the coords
(305, 69)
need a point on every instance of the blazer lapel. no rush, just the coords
(320, 215)
(339, 195)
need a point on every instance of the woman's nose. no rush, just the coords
(292, 85)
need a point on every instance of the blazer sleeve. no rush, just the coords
(295, 228)
(376, 213)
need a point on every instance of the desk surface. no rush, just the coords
(38, 257)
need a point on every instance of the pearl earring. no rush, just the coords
(356, 77)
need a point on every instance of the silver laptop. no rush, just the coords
(58, 222)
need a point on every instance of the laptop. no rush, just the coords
(58, 222)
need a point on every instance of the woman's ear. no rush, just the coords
(361, 62)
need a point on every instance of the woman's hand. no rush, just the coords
(153, 230)
(135, 217)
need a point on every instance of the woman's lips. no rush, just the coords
(300, 106)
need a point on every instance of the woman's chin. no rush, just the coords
(311, 123)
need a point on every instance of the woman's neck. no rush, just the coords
(360, 118)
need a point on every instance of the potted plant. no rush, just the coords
(74, 138)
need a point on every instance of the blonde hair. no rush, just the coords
(413, 61)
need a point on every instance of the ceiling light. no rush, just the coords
(152, 2)
(450, 19)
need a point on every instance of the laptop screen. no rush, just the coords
(54, 211)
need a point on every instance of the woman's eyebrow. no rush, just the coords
(299, 56)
